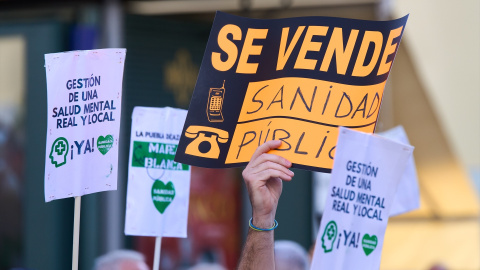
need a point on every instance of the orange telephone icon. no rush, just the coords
(203, 146)
(215, 104)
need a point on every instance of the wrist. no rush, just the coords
(263, 221)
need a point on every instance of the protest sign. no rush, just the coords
(407, 197)
(295, 80)
(158, 188)
(84, 95)
(365, 177)
(84, 100)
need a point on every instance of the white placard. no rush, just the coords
(158, 188)
(365, 176)
(84, 101)
(407, 197)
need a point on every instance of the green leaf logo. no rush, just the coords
(104, 144)
(162, 195)
(369, 243)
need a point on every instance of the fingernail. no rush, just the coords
(292, 173)
(288, 163)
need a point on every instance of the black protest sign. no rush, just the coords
(296, 80)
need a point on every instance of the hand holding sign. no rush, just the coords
(263, 177)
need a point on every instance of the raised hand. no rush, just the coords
(263, 177)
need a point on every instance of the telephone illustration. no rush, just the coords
(215, 103)
(203, 146)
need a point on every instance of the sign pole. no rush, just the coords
(76, 232)
(156, 258)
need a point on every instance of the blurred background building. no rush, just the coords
(433, 91)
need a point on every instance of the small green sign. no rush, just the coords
(156, 156)
(162, 195)
(104, 144)
(369, 243)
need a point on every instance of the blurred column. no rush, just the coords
(113, 202)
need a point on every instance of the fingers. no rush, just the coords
(270, 158)
(261, 155)
(259, 176)
(265, 175)
(264, 166)
(269, 166)
(264, 148)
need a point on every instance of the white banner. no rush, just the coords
(407, 197)
(365, 176)
(84, 101)
(158, 188)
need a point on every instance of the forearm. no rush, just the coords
(258, 251)
(263, 177)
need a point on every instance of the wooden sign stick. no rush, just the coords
(156, 258)
(76, 232)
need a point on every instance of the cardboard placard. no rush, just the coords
(295, 79)
(158, 188)
(365, 176)
(84, 101)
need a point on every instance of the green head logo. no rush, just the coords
(329, 236)
(58, 154)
